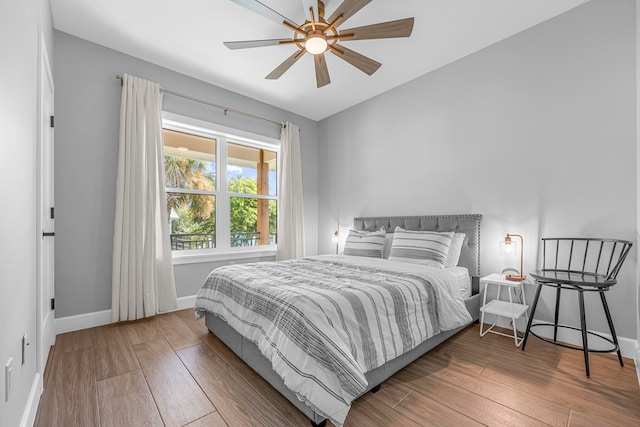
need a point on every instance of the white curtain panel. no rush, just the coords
(143, 283)
(290, 209)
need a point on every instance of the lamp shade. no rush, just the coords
(508, 242)
(510, 249)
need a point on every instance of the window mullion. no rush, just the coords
(190, 191)
(223, 203)
(252, 196)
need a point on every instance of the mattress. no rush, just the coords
(463, 280)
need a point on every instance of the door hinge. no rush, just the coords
(51, 214)
(53, 303)
(51, 121)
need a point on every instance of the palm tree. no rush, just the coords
(189, 173)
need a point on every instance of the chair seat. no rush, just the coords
(574, 278)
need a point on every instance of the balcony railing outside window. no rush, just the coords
(180, 242)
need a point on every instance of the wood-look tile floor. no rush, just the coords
(169, 370)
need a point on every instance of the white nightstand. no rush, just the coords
(499, 307)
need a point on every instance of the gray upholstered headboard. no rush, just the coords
(468, 224)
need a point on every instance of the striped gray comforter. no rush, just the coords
(325, 321)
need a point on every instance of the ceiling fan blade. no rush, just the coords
(322, 72)
(282, 68)
(254, 43)
(384, 30)
(264, 10)
(361, 62)
(347, 9)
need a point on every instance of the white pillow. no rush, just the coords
(364, 243)
(453, 256)
(420, 247)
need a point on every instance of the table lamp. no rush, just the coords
(507, 241)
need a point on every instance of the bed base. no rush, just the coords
(251, 355)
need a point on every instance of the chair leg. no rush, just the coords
(557, 314)
(583, 327)
(611, 328)
(533, 311)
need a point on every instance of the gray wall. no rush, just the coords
(87, 121)
(536, 132)
(638, 177)
(21, 26)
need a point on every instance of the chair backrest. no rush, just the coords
(594, 256)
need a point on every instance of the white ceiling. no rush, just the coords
(187, 35)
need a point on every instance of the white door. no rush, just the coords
(45, 216)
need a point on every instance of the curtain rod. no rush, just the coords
(226, 109)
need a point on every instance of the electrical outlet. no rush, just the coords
(7, 378)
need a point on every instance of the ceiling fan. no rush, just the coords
(319, 35)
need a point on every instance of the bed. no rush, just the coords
(337, 366)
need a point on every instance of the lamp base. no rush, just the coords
(515, 278)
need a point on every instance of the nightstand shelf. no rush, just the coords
(502, 308)
(505, 308)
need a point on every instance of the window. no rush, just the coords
(251, 183)
(221, 188)
(190, 180)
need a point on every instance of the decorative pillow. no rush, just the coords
(420, 247)
(365, 243)
(453, 256)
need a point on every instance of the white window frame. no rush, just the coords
(222, 135)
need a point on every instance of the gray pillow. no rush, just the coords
(365, 243)
(420, 247)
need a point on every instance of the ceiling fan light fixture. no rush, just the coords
(316, 44)
(318, 35)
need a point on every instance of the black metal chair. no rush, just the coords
(583, 265)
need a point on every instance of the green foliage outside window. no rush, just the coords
(196, 212)
(244, 211)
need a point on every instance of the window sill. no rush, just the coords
(194, 258)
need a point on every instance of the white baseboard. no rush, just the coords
(82, 321)
(627, 345)
(186, 302)
(99, 318)
(637, 359)
(31, 407)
